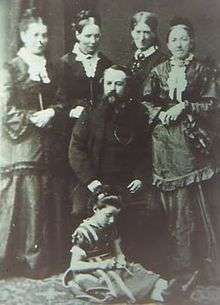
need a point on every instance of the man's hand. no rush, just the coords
(42, 118)
(135, 186)
(93, 185)
(76, 112)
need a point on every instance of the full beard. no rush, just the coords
(113, 99)
(115, 103)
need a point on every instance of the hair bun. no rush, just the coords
(29, 16)
(78, 21)
(30, 12)
(180, 21)
(147, 18)
(114, 200)
(105, 194)
(105, 189)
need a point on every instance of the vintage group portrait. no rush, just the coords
(109, 152)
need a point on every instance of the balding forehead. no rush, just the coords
(114, 73)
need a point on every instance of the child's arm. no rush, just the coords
(120, 257)
(78, 263)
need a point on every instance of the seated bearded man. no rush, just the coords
(109, 144)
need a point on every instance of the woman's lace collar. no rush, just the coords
(36, 65)
(177, 81)
(145, 53)
(181, 62)
(88, 61)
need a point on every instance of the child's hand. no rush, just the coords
(121, 261)
(108, 264)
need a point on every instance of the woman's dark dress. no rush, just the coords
(76, 89)
(183, 169)
(28, 168)
(148, 217)
(141, 67)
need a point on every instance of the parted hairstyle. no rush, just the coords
(185, 24)
(30, 16)
(148, 18)
(84, 18)
(145, 17)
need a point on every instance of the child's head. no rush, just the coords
(107, 206)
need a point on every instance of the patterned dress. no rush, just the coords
(93, 243)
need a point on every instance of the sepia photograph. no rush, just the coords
(109, 152)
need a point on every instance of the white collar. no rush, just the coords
(88, 61)
(36, 65)
(181, 62)
(147, 52)
(80, 56)
(177, 80)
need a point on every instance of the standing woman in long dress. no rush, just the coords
(143, 247)
(81, 69)
(148, 53)
(182, 105)
(28, 116)
(80, 72)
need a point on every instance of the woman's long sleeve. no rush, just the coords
(15, 120)
(152, 102)
(208, 99)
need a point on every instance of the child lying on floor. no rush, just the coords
(99, 272)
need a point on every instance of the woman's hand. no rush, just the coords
(162, 116)
(173, 113)
(135, 186)
(42, 118)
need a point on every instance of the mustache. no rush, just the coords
(111, 97)
(178, 48)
